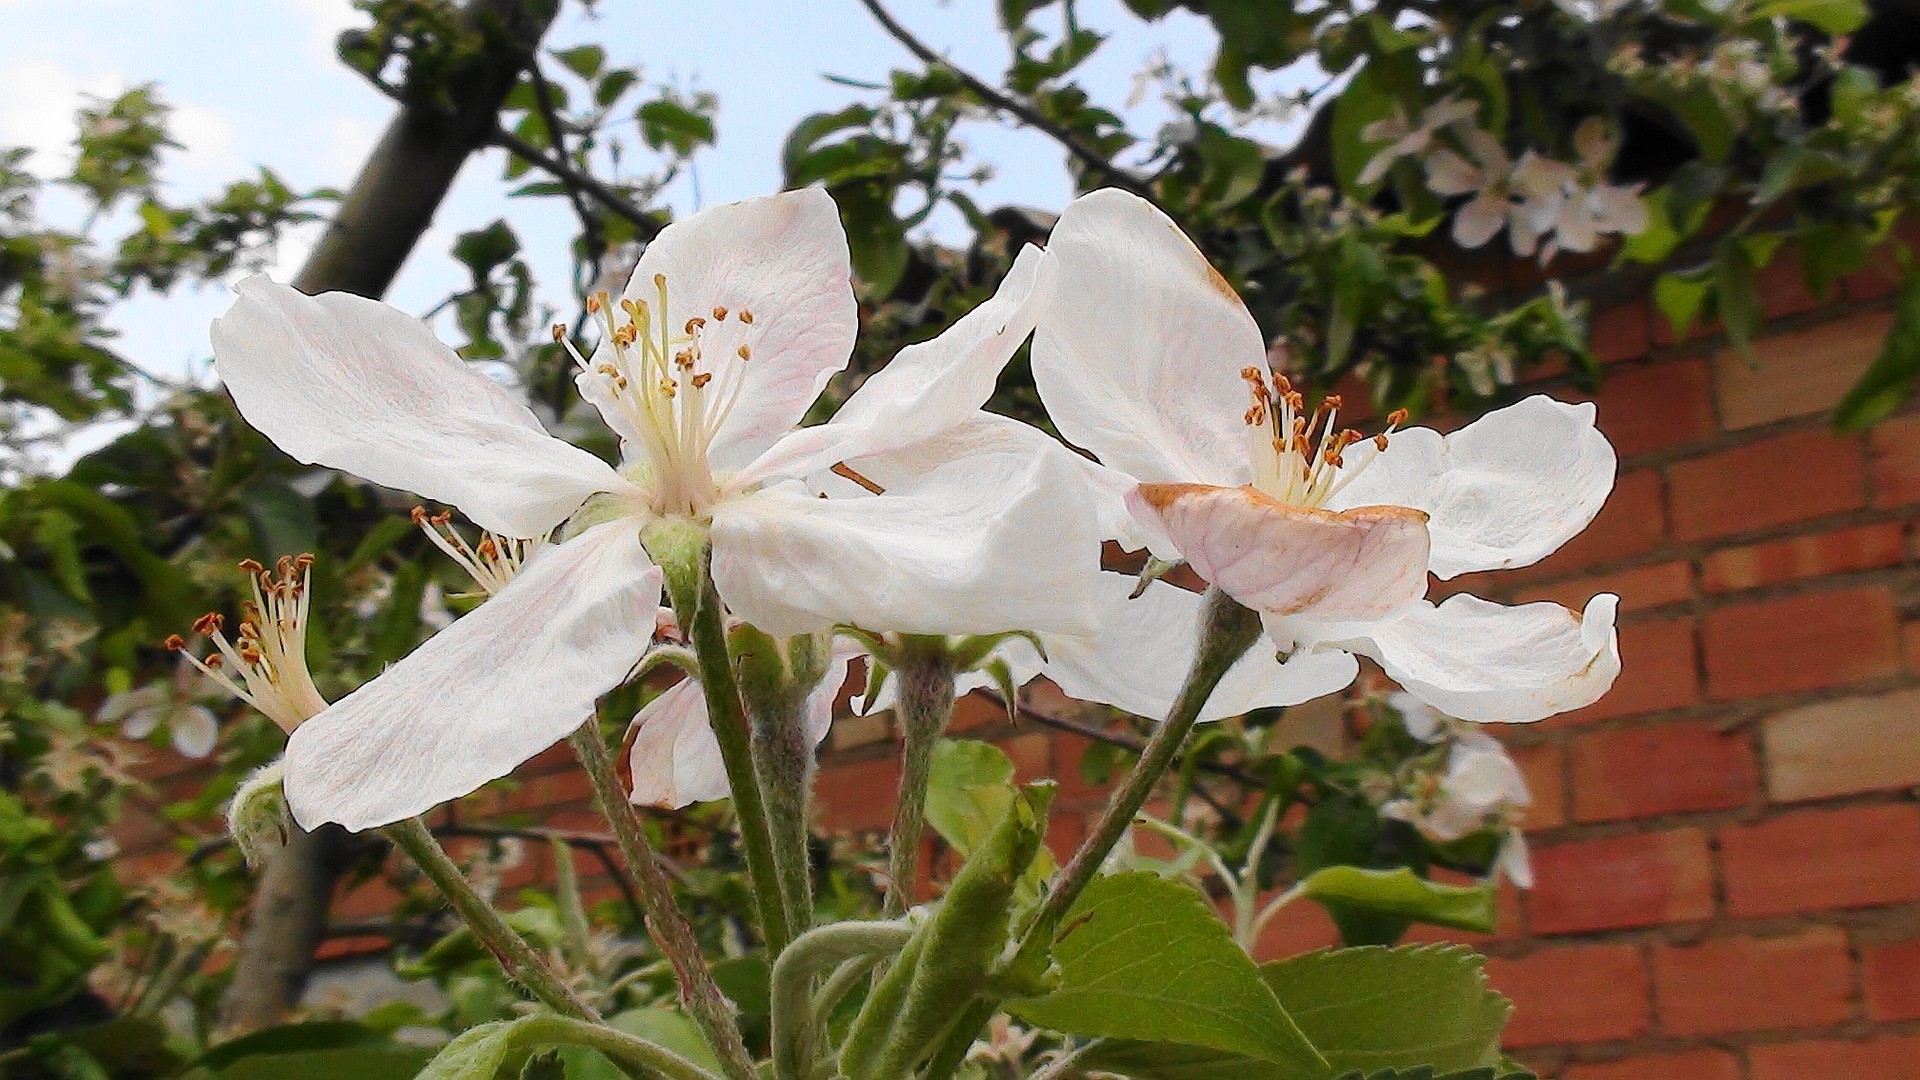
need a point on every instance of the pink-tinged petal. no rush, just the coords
(674, 756)
(1450, 174)
(1505, 491)
(1487, 662)
(783, 260)
(1138, 357)
(1476, 223)
(1287, 560)
(980, 530)
(350, 383)
(497, 687)
(1139, 656)
(927, 389)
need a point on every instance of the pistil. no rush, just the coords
(676, 386)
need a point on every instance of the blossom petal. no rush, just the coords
(981, 530)
(1287, 560)
(928, 388)
(1487, 662)
(1506, 490)
(675, 758)
(783, 260)
(485, 694)
(1138, 357)
(1139, 658)
(1450, 174)
(350, 383)
(1476, 223)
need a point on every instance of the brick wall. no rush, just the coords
(1728, 845)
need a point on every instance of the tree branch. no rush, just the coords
(645, 224)
(1096, 162)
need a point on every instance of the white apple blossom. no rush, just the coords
(1148, 359)
(1480, 788)
(1405, 137)
(1487, 177)
(732, 324)
(1574, 203)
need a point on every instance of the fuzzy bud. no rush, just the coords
(257, 817)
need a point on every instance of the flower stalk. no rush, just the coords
(775, 682)
(1227, 631)
(517, 957)
(793, 974)
(666, 923)
(925, 708)
(679, 547)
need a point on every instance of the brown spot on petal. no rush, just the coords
(1220, 284)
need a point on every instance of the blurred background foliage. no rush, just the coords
(1675, 147)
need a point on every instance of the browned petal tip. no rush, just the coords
(1161, 496)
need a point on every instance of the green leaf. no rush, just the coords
(310, 1052)
(668, 123)
(969, 790)
(1374, 1008)
(1832, 16)
(1401, 892)
(1145, 957)
(284, 521)
(585, 61)
(1679, 296)
(1736, 290)
(1890, 380)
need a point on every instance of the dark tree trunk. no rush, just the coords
(383, 216)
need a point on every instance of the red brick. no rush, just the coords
(1295, 929)
(1657, 406)
(1638, 589)
(1801, 642)
(1622, 332)
(1585, 993)
(1540, 765)
(1031, 754)
(858, 796)
(1685, 1065)
(1783, 285)
(1891, 1057)
(1642, 879)
(1631, 523)
(1891, 975)
(1865, 547)
(1658, 671)
(1893, 461)
(1819, 860)
(1910, 644)
(1754, 984)
(1777, 380)
(1671, 768)
(1786, 478)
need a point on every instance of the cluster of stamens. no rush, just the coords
(265, 663)
(1297, 456)
(675, 385)
(491, 563)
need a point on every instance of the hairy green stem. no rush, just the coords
(650, 1058)
(775, 680)
(793, 975)
(1227, 631)
(518, 958)
(682, 555)
(925, 708)
(665, 921)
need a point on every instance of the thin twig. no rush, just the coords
(1093, 159)
(595, 244)
(601, 845)
(1113, 738)
(644, 224)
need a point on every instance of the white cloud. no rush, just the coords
(38, 99)
(325, 20)
(349, 138)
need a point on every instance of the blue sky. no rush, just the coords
(255, 82)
